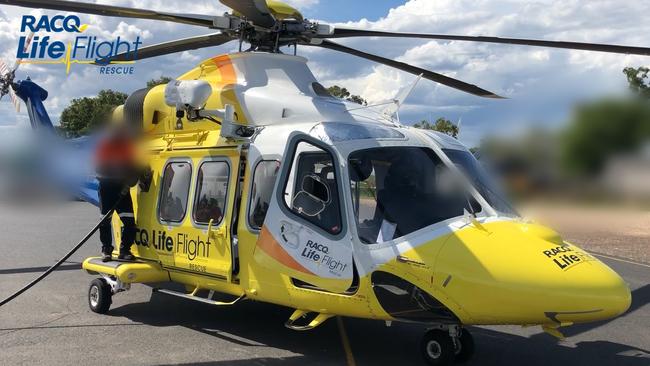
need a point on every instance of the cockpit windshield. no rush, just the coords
(398, 190)
(481, 180)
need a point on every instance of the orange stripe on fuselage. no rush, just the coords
(270, 246)
(226, 69)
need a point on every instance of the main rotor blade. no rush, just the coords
(349, 32)
(430, 75)
(254, 10)
(179, 45)
(113, 11)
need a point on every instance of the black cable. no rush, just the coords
(213, 120)
(70, 253)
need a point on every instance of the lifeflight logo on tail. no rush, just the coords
(40, 46)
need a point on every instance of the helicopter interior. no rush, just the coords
(399, 190)
(396, 189)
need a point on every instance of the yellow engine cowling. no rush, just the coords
(283, 11)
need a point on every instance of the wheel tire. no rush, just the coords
(465, 350)
(437, 348)
(99, 296)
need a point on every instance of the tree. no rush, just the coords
(83, 115)
(608, 127)
(638, 80)
(343, 93)
(603, 129)
(160, 81)
(441, 125)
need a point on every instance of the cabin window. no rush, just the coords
(211, 192)
(399, 190)
(175, 191)
(311, 190)
(264, 177)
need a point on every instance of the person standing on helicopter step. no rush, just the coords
(116, 169)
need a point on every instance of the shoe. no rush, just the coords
(106, 254)
(126, 257)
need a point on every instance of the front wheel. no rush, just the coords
(438, 348)
(99, 296)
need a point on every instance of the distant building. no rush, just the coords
(629, 175)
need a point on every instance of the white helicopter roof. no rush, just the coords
(281, 89)
(348, 136)
(280, 93)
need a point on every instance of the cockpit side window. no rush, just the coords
(399, 190)
(311, 190)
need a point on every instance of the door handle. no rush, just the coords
(407, 260)
(219, 232)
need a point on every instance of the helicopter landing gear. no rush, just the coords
(99, 296)
(446, 345)
(464, 347)
(101, 291)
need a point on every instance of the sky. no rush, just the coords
(542, 85)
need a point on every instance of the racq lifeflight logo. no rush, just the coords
(44, 48)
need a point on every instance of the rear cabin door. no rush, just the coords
(201, 230)
(305, 234)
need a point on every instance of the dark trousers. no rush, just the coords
(109, 194)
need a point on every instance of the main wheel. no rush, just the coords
(465, 347)
(99, 296)
(438, 348)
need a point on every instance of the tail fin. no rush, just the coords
(33, 96)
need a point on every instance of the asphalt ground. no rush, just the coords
(51, 324)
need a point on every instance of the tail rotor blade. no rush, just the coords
(4, 69)
(14, 99)
(25, 48)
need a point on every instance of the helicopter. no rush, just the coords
(264, 187)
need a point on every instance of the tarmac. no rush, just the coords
(52, 325)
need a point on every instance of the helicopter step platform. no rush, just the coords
(127, 272)
(301, 315)
(194, 296)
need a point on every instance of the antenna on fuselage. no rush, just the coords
(392, 111)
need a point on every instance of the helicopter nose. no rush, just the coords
(508, 273)
(597, 289)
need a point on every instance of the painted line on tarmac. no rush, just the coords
(349, 357)
(620, 260)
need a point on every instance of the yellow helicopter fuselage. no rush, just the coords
(473, 268)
